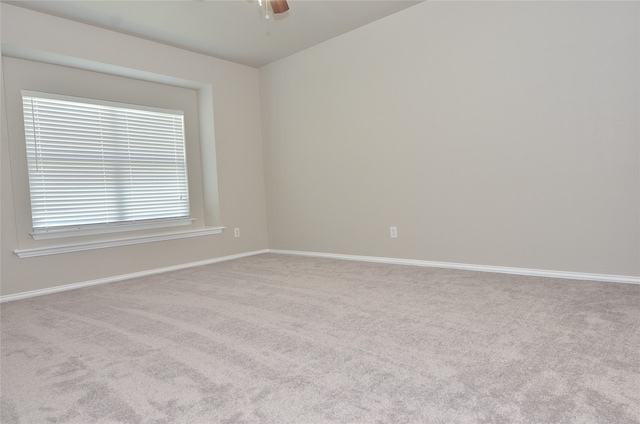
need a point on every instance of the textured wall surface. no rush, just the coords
(490, 133)
(236, 115)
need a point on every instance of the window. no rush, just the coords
(97, 166)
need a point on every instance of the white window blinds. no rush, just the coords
(96, 164)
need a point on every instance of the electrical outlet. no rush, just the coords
(393, 231)
(236, 232)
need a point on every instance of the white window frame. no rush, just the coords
(113, 226)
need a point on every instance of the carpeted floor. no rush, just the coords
(286, 339)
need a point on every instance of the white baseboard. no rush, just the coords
(74, 286)
(470, 267)
(397, 261)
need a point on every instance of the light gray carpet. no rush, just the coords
(285, 339)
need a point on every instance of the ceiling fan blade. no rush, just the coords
(279, 6)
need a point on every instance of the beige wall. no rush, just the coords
(236, 108)
(489, 133)
(501, 133)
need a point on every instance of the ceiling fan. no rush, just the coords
(277, 6)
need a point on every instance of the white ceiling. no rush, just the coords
(228, 29)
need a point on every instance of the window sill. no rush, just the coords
(114, 228)
(79, 247)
